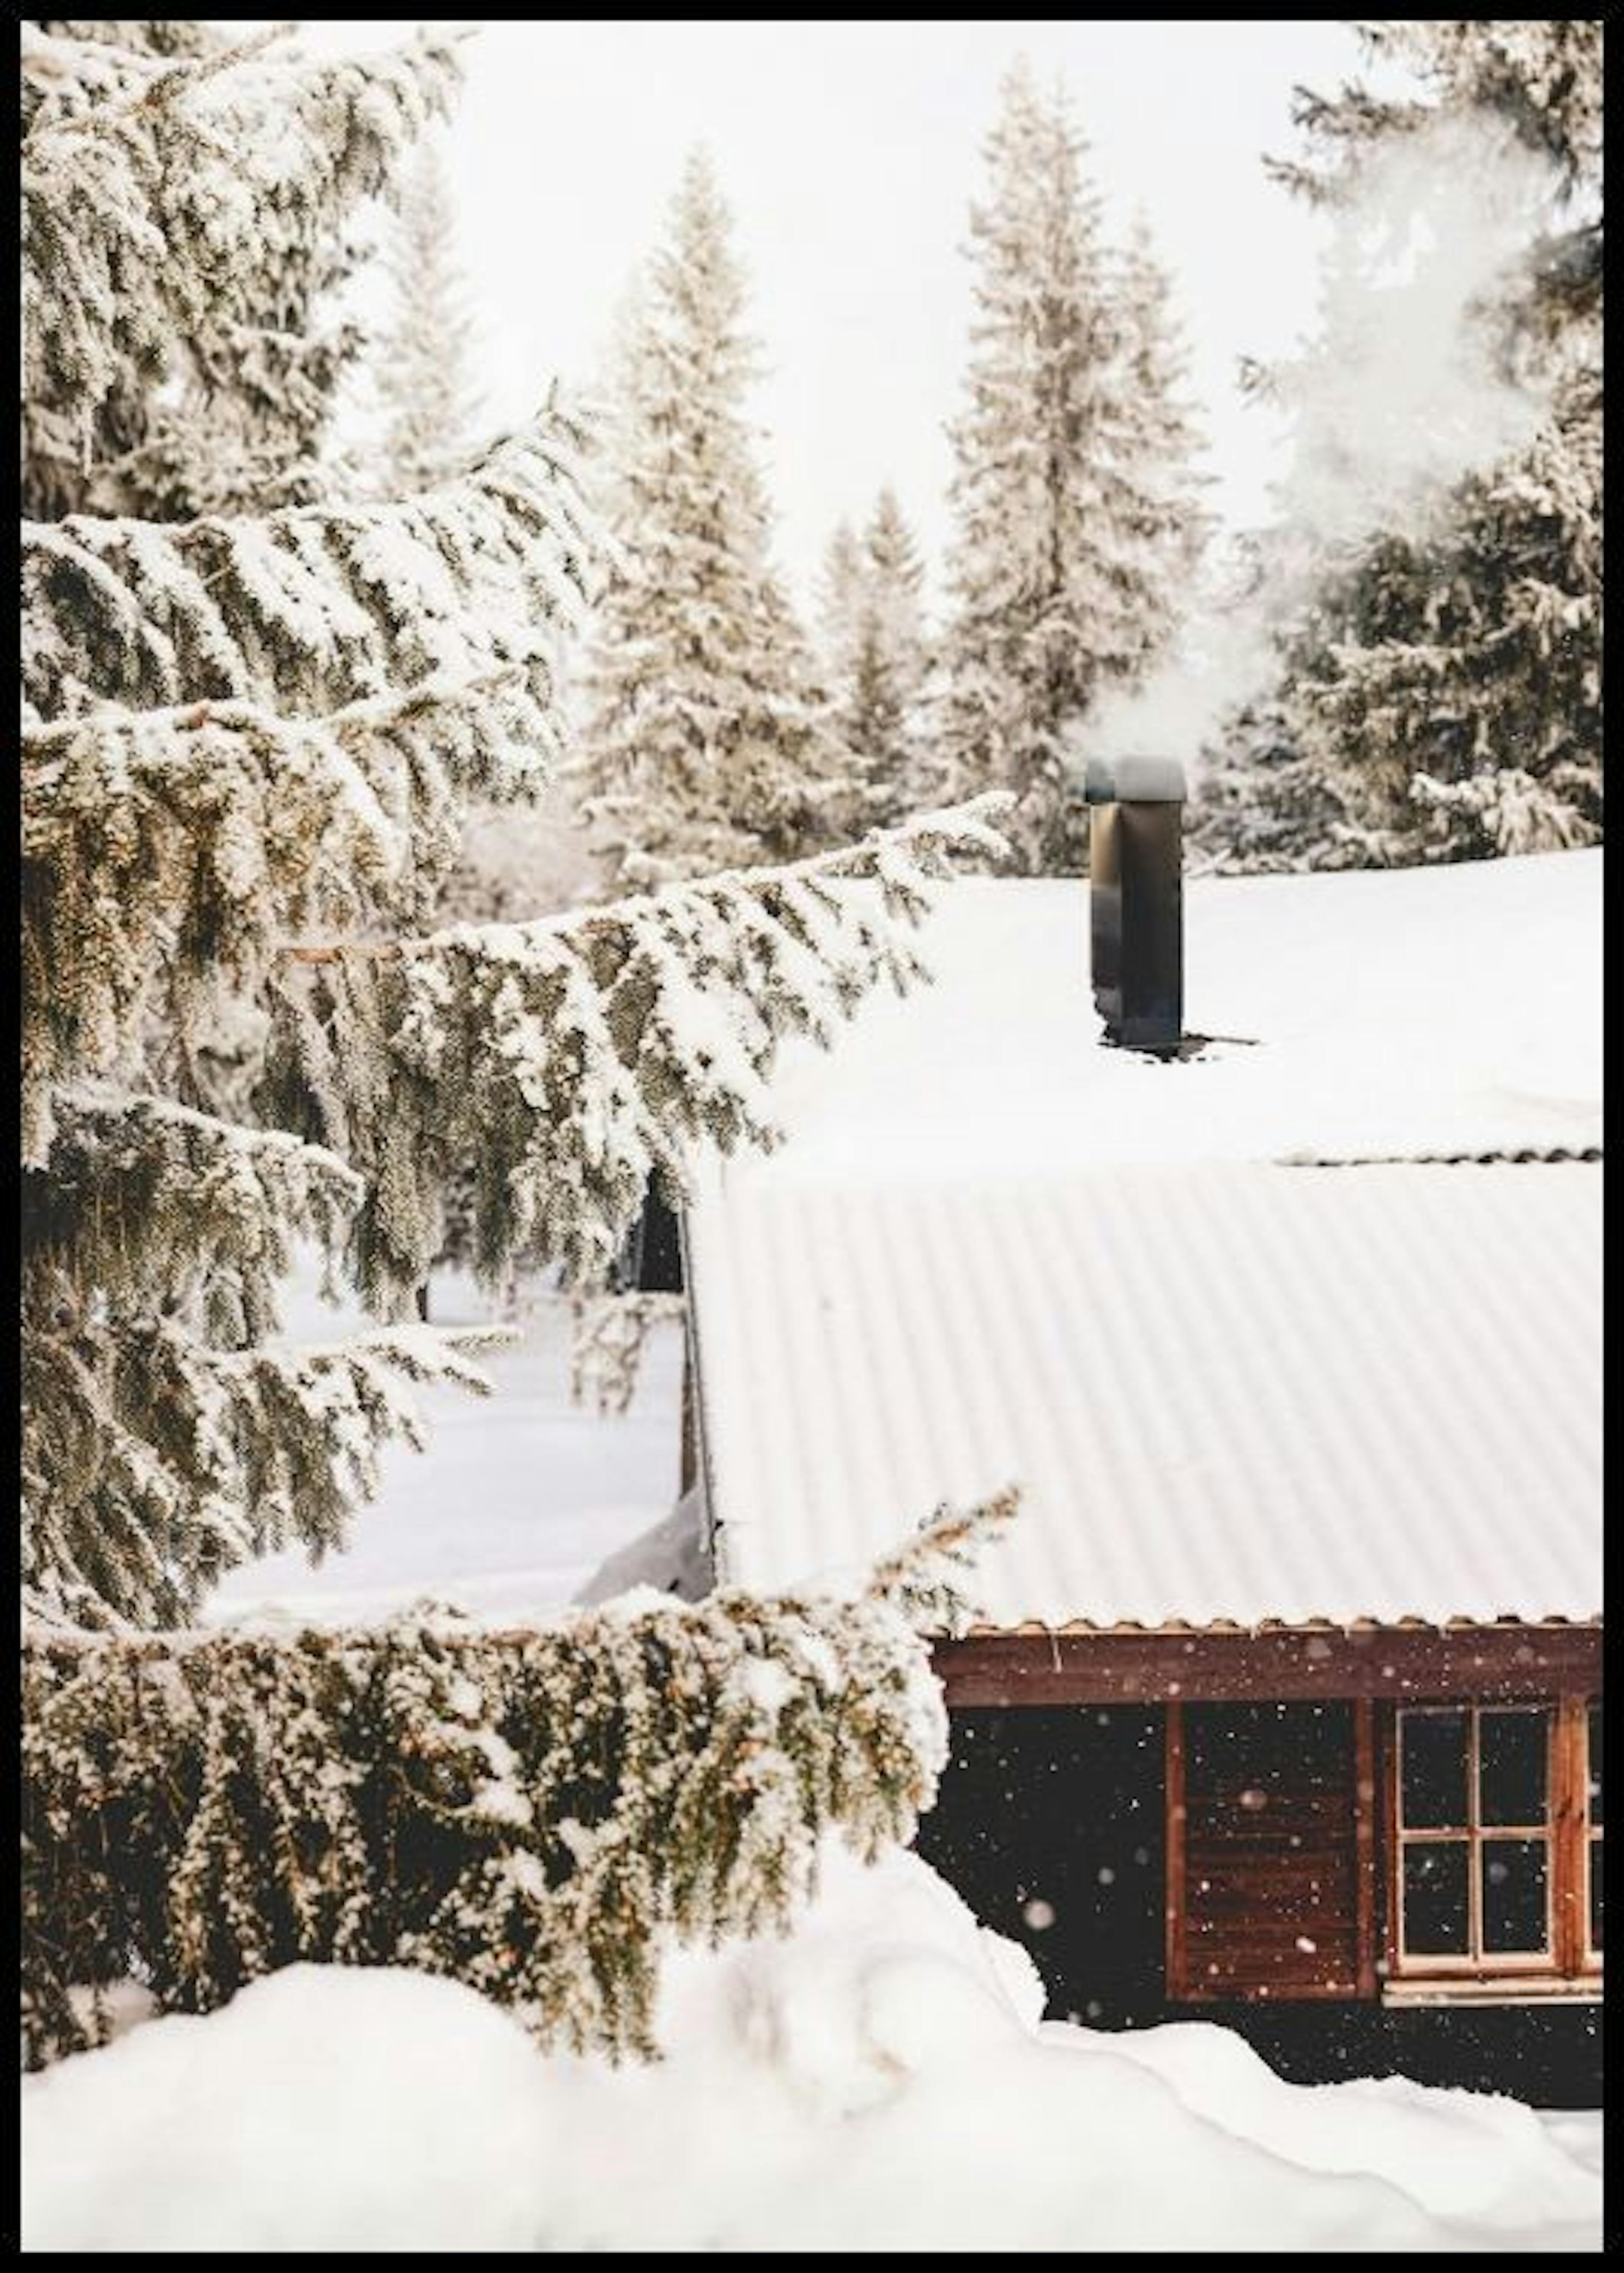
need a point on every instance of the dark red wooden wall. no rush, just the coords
(1265, 1897)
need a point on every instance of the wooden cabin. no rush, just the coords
(1281, 1706)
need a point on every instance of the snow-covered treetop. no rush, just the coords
(1076, 520)
(705, 744)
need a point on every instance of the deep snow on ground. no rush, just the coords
(880, 2080)
(520, 1497)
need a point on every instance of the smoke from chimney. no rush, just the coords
(1404, 392)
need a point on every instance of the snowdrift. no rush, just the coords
(881, 2078)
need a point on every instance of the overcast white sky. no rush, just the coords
(849, 153)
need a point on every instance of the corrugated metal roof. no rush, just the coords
(995, 1251)
(1232, 1393)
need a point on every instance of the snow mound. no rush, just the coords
(1459, 2154)
(880, 2079)
(323, 2108)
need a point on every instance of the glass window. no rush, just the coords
(1476, 1832)
(1513, 1755)
(1593, 1763)
(1436, 1896)
(1433, 1750)
(1516, 1902)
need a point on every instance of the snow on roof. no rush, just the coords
(995, 1250)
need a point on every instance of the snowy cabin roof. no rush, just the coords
(1233, 1383)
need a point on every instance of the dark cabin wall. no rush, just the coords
(1064, 1807)
(1549, 2055)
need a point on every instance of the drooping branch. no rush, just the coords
(306, 611)
(166, 853)
(148, 1202)
(573, 1059)
(529, 1812)
(154, 1463)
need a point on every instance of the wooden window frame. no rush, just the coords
(1567, 1958)
(1590, 1837)
(1473, 1834)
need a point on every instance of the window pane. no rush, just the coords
(1595, 1765)
(1595, 1845)
(1514, 1896)
(1511, 1750)
(1436, 1899)
(1432, 1749)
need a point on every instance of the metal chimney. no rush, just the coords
(1136, 899)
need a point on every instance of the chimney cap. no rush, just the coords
(1138, 779)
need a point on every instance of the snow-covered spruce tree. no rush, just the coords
(1258, 806)
(1074, 502)
(239, 731)
(214, 379)
(1445, 690)
(420, 357)
(235, 729)
(532, 1813)
(876, 657)
(1157, 483)
(840, 601)
(706, 742)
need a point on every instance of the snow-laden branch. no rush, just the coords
(141, 1194)
(166, 852)
(154, 1463)
(534, 1813)
(147, 215)
(316, 607)
(570, 1060)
